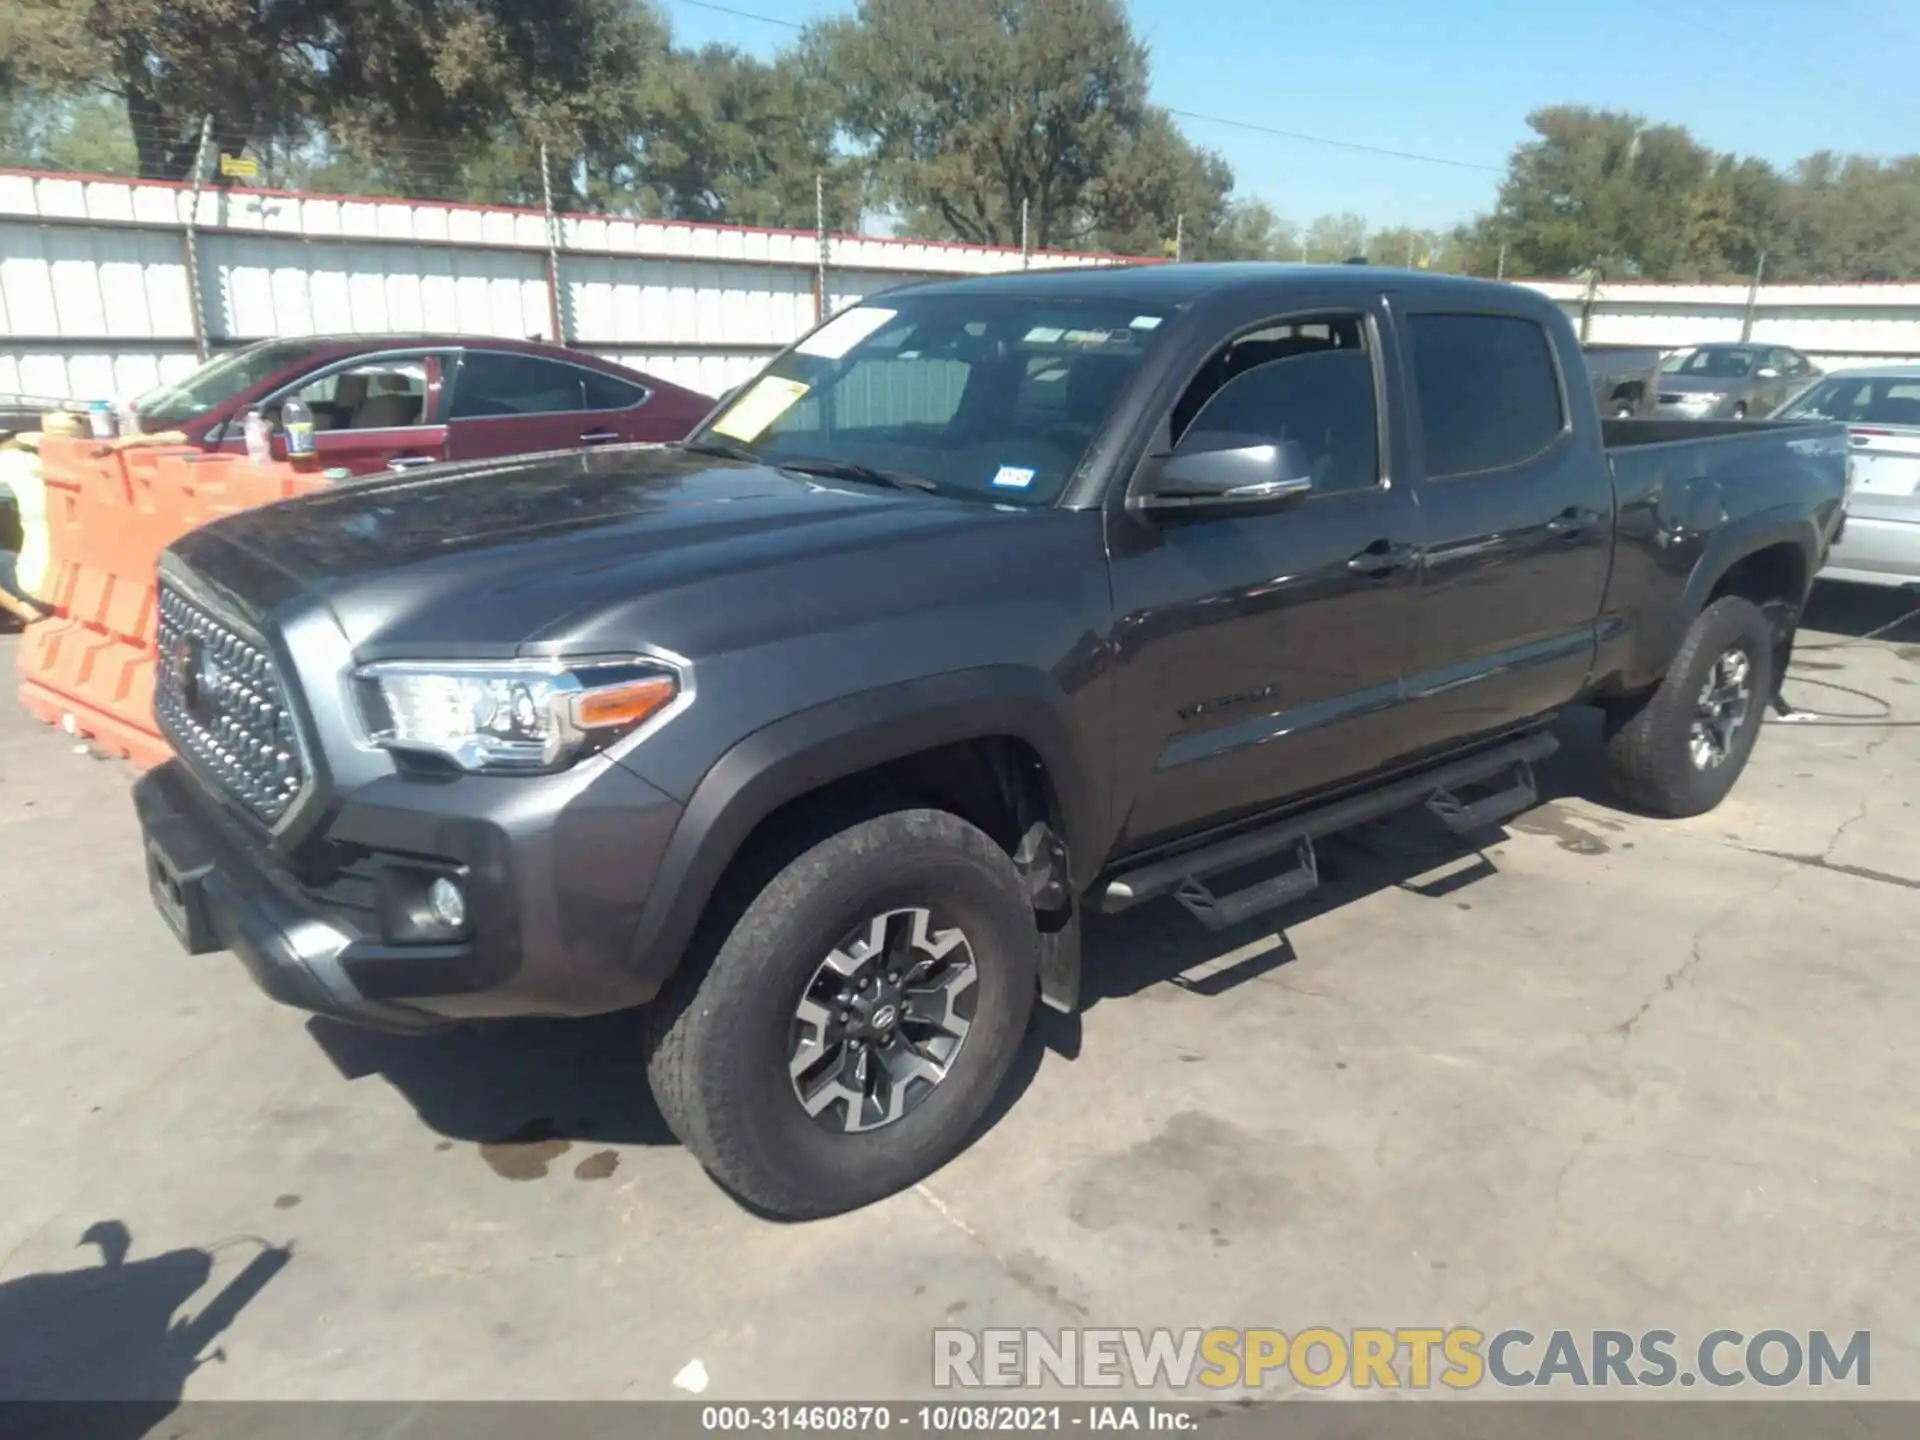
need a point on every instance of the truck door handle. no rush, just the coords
(1382, 557)
(409, 462)
(1572, 521)
(599, 437)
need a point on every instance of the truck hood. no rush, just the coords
(496, 557)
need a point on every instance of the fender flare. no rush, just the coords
(801, 753)
(1726, 547)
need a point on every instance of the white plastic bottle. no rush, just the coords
(259, 437)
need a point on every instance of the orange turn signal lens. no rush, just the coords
(623, 705)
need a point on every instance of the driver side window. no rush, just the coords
(1307, 383)
(383, 394)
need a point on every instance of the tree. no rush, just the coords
(966, 110)
(1335, 238)
(729, 138)
(420, 90)
(172, 64)
(1157, 189)
(1251, 231)
(1600, 188)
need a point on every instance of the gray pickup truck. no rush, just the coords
(986, 603)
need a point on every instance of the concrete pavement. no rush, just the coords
(1610, 1072)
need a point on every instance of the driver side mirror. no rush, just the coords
(1220, 472)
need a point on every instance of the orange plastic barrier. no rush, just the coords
(110, 511)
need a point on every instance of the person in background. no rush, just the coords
(15, 603)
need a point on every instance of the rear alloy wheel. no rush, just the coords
(1724, 701)
(846, 1033)
(1678, 749)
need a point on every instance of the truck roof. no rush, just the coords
(1183, 284)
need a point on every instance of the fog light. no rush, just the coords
(449, 906)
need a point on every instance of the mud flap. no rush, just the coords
(1060, 959)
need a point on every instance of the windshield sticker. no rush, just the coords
(764, 402)
(844, 331)
(1144, 322)
(1044, 335)
(1013, 477)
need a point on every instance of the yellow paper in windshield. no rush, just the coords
(764, 402)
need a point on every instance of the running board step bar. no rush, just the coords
(1465, 818)
(1177, 872)
(1218, 912)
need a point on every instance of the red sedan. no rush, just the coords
(389, 402)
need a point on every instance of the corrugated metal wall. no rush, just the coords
(1837, 325)
(95, 299)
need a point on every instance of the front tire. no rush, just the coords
(845, 1036)
(1681, 750)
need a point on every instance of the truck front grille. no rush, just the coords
(218, 697)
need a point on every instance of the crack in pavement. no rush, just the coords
(1866, 801)
(1672, 978)
(1034, 1286)
(1820, 862)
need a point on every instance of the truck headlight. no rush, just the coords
(511, 715)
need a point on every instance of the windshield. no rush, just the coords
(1712, 363)
(990, 396)
(1860, 400)
(218, 381)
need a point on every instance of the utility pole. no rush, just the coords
(1179, 238)
(1501, 272)
(1410, 240)
(1026, 247)
(191, 240)
(1753, 297)
(556, 307)
(820, 231)
(1587, 301)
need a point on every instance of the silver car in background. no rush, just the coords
(1731, 382)
(1880, 406)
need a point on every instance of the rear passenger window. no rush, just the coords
(494, 382)
(1309, 383)
(1488, 389)
(605, 392)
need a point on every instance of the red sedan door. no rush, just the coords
(370, 414)
(511, 404)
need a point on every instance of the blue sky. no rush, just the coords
(1456, 78)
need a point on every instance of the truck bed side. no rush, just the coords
(1693, 500)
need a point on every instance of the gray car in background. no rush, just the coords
(1731, 382)
(1880, 406)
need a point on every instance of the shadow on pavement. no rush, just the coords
(526, 1091)
(513, 1082)
(1855, 610)
(109, 1333)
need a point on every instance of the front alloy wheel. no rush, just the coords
(839, 1034)
(882, 1021)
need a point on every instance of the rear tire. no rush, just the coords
(1681, 750)
(741, 1032)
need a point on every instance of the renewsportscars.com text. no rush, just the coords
(1417, 1358)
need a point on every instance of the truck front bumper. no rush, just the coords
(554, 871)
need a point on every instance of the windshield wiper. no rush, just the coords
(854, 470)
(726, 449)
